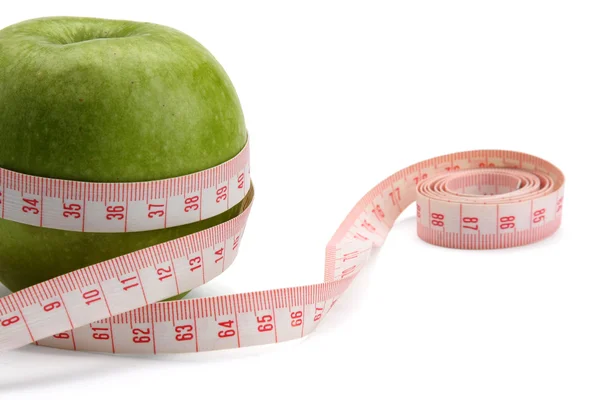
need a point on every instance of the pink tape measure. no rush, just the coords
(484, 199)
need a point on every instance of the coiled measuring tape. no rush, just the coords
(484, 199)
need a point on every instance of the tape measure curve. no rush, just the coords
(483, 199)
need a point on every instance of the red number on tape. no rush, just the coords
(131, 285)
(228, 332)
(219, 253)
(507, 222)
(12, 320)
(192, 203)
(62, 335)
(350, 256)
(360, 237)
(33, 203)
(162, 273)
(367, 226)
(539, 215)
(52, 306)
(91, 296)
(471, 220)
(318, 313)
(395, 195)
(378, 212)
(141, 335)
(184, 333)
(71, 210)
(195, 263)
(115, 212)
(156, 213)
(100, 336)
(296, 318)
(558, 205)
(221, 194)
(437, 219)
(417, 179)
(264, 327)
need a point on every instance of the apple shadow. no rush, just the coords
(4, 290)
(55, 376)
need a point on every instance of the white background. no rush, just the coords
(338, 96)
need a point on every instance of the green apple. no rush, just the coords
(106, 101)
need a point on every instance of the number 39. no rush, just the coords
(221, 194)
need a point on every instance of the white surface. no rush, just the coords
(344, 95)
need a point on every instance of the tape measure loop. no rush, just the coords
(484, 199)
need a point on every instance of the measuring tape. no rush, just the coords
(484, 199)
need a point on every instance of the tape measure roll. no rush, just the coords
(472, 200)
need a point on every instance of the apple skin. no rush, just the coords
(100, 100)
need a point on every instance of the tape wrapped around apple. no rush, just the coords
(100, 100)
